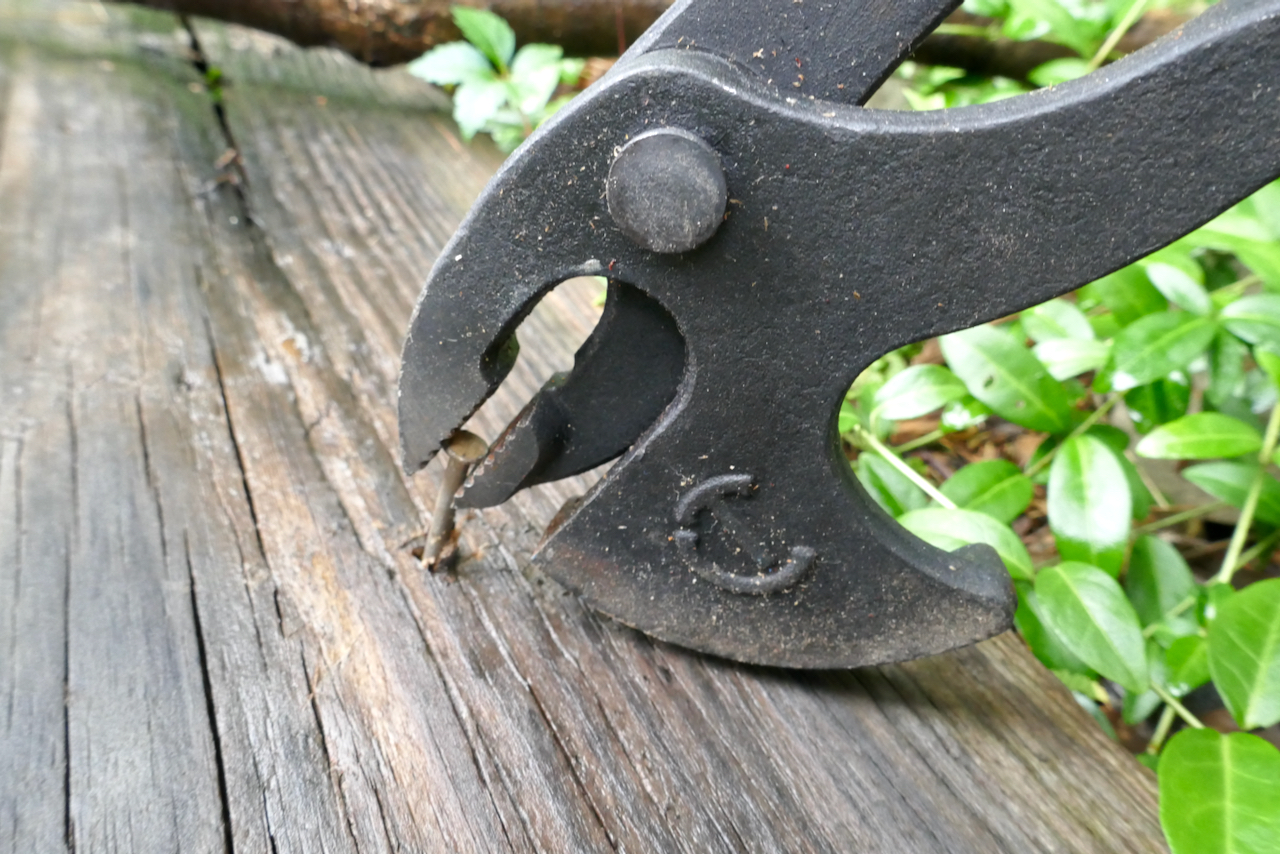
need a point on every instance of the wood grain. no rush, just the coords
(213, 634)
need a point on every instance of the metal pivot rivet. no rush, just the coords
(666, 191)
(462, 451)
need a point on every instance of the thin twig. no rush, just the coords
(1113, 39)
(1162, 730)
(907, 471)
(1179, 518)
(1240, 535)
(1190, 719)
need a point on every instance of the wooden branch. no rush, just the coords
(389, 32)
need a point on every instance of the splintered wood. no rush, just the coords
(213, 633)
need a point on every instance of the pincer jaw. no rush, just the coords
(461, 346)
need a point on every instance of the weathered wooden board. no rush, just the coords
(213, 636)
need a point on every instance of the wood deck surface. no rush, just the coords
(213, 634)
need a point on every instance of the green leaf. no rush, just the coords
(1153, 347)
(1202, 436)
(488, 32)
(1230, 482)
(1269, 360)
(1158, 580)
(963, 414)
(1118, 441)
(1157, 403)
(1218, 793)
(1086, 608)
(951, 529)
(1064, 27)
(1187, 661)
(531, 91)
(1057, 71)
(451, 64)
(476, 102)
(1057, 318)
(890, 488)
(1128, 293)
(1001, 373)
(1255, 318)
(916, 391)
(1226, 369)
(1244, 654)
(1244, 236)
(1044, 644)
(1209, 601)
(1180, 289)
(1138, 707)
(1069, 357)
(532, 57)
(995, 487)
(1089, 503)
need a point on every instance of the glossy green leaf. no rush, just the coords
(1077, 33)
(1157, 403)
(1255, 318)
(1158, 580)
(1269, 360)
(475, 102)
(1244, 654)
(451, 64)
(1128, 293)
(1226, 369)
(1004, 375)
(1244, 236)
(1085, 607)
(1057, 71)
(1230, 482)
(1118, 441)
(1071, 357)
(1138, 707)
(1218, 793)
(890, 488)
(1089, 503)
(951, 529)
(963, 414)
(1153, 347)
(1056, 319)
(915, 391)
(488, 32)
(1044, 644)
(1179, 288)
(1210, 599)
(1187, 665)
(995, 487)
(1202, 436)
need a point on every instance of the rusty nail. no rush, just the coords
(462, 450)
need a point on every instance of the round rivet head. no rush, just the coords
(666, 191)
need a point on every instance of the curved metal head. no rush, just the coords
(732, 524)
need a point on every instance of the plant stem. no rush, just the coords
(919, 441)
(1162, 730)
(1261, 548)
(1117, 33)
(1172, 612)
(1172, 702)
(1231, 562)
(1081, 428)
(907, 471)
(1179, 518)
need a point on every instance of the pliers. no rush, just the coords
(765, 239)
